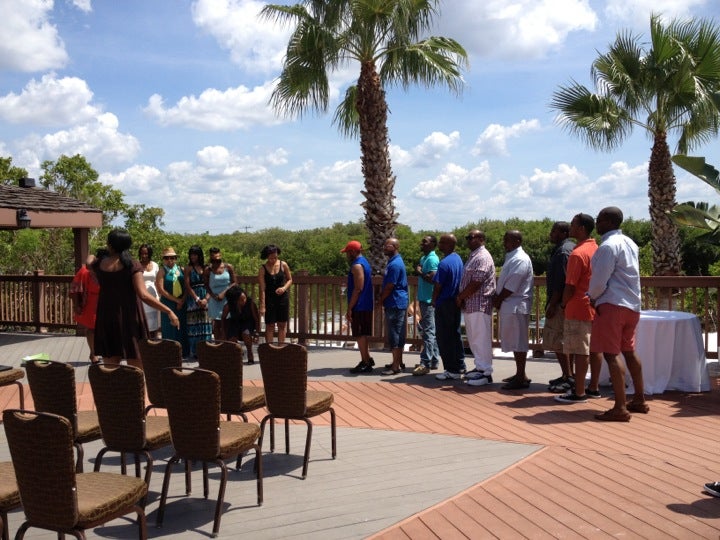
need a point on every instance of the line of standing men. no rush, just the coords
(592, 309)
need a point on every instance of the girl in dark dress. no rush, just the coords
(275, 280)
(120, 320)
(241, 319)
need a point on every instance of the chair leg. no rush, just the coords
(272, 434)
(333, 436)
(136, 456)
(165, 486)
(5, 528)
(287, 436)
(21, 394)
(188, 480)
(221, 496)
(142, 522)
(20, 534)
(123, 463)
(308, 438)
(80, 456)
(206, 485)
(259, 471)
(99, 458)
(148, 474)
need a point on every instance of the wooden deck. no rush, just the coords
(583, 479)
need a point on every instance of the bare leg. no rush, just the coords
(581, 367)
(282, 331)
(218, 329)
(269, 332)
(520, 361)
(635, 369)
(90, 336)
(248, 340)
(565, 364)
(617, 376)
(595, 367)
(397, 354)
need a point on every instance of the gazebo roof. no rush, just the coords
(46, 209)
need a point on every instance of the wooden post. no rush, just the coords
(302, 298)
(38, 295)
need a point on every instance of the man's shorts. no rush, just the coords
(613, 329)
(396, 319)
(577, 337)
(361, 323)
(553, 331)
(514, 332)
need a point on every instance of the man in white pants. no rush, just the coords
(477, 288)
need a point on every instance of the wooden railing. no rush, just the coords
(318, 305)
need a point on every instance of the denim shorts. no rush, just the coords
(396, 319)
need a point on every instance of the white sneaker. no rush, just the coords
(447, 376)
(480, 381)
(474, 374)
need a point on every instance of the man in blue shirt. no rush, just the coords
(447, 313)
(360, 303)
(394, 298)
(430, 355)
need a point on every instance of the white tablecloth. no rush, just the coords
(670, 347)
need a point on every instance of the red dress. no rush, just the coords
(86, 288)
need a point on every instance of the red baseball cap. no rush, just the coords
(352, 245)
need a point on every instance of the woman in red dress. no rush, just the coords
(84, 292)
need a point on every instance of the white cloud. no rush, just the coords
(518, 29)
(638, 11)
(493, 140)
(83, 5)
(431, 150)
(29, 41)
(215, 110)
(255, 44)
(49, 102)
(98, 140)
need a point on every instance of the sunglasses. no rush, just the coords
(170, 257)
(470, 237)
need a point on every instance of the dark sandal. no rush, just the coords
(613, 416)
(638, 407)
(516, 385)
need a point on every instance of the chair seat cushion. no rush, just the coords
(88, 426)
(157, 432)
(236, 437)
(100, 495)
(253, 397)
(9, 494)
(11, 375)
(318, 402)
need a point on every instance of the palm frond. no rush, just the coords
(346, 116)
(699, 167)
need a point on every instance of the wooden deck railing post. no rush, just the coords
(302, 298)
(38, 295)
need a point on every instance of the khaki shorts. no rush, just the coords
(577, 337)
(553, 331)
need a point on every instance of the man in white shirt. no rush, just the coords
(614, 291)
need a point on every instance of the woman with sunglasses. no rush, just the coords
(170, 283)
(219, 277)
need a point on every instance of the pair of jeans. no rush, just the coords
(449, 338)
(396, 319)
(430, 355)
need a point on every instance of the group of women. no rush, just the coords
(120, 300)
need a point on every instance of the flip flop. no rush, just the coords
(638, 407)
(613, 416)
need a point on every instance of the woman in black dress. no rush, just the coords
(275, 280)
(120, 320)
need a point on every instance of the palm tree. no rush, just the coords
(384, 37)
(665, 89)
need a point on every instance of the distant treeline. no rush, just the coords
(318, 250)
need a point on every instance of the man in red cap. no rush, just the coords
(360, 303)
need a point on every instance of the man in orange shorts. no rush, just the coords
(614, 290)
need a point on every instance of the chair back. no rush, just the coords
(41, 447)
(119, 393)
(192, 399)
(226, 359)
(284, 373)
(157, 355)
(52, 385)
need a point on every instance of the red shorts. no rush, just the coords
(613, 329)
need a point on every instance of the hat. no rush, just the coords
(169, 252)
(352, 245)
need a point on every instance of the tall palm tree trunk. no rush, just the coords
(667, 259)
(379, 205)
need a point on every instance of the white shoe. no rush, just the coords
(447, 376)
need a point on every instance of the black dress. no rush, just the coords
(120, 320)
(277, 308)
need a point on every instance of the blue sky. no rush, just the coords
(167, 99)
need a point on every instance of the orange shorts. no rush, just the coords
(613, 329)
